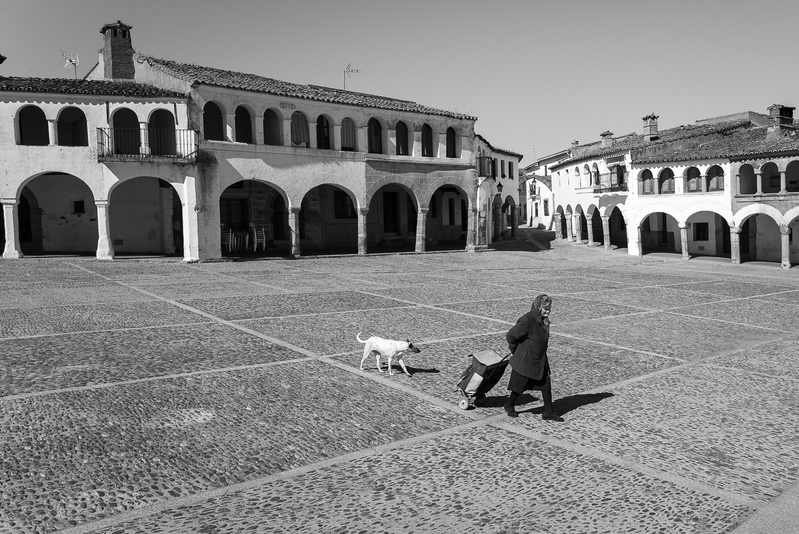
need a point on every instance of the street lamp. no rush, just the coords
(499, 188)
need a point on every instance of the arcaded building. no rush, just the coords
(726, 186)
(153, 156)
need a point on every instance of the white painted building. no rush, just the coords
(726, 186)
(151, 156)
(498, 195)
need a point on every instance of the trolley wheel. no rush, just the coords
(464, 404)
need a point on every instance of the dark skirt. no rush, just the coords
(520, 384)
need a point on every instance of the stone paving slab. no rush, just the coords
(64, 319)
(445, 292)
(777, 358)
(565, 308)
(752, 311)
(734, 288)
(206, 289)
(668, 334)
(654, 298)
(261, 306)
(335, 333)
(729, 429)
(68, 296)
(301, 282)
(570, 284)
(78, 456)
(485, 480)
(778, 299)
(77, 360)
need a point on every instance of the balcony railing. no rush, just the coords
(606, 188)
(135, 144)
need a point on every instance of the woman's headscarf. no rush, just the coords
(539, 302)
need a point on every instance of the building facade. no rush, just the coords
(726, 186)
(498, 194)
(151, 156)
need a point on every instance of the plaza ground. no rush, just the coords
(153, 396)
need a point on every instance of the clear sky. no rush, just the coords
(536, 73)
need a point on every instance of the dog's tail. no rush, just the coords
(358, 337)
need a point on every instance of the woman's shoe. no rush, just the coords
(551, 416)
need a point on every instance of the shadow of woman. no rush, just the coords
(567, 404)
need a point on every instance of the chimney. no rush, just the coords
(575, 143)
(650, 127)
(781, 115)
(117, 52)
(607, 138)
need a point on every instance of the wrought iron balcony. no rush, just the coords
(139, 144)
(603, 188)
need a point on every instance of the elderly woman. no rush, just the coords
(528, 340)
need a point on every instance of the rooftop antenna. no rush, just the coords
(347, 73)
(71, 62)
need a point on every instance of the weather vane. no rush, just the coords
(72, 62)
(347, 72)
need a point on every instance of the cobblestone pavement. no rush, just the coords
(153, 396)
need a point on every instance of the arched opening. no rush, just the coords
(328, 221)
(618, 229)
(392, 220)
(597, 231)
(243, 125)
(127, 135)
(57, 215)
(748, 180)
(715, 179)
(452, 140)
(447, 220)
(427, 141)
(322, 133)
(583, 222)
(402, 139)
(72, 128)
(666, 182)
(595, 175)
(145, 218)
(375, 136)
(213, 122)
(299, 130)
(253, 221)
(760, 239)
(770, 177)
(693, 183)
(708, 234)
(793, 241)
(659, 233)
(33, 127)
(563, 227)
(792, 177)
(348, 137)
(646, 183)
(161, 133)
(273, 134)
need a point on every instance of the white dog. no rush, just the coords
(389, 347)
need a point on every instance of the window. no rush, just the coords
(375, 137)
(502, 168)
(715, 179)
(647, 182)
(33, 130)
(536, 209)
(546, 207)
(78, 206)
(451, 206)
(701, 231)
(72, 128)
(213, 125)
(348, 135)
(427, 141)
(452, 151)
(343, 207)
(322, 133)
(693, 180)
(299, 130)
(243, 126)
(402, 139)
(272, 135)
(510, 170)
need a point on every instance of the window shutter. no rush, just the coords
(299, 129)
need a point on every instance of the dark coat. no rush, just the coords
(528, 341)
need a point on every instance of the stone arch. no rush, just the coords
(214, 123)
(273, 127)
(72, 127)
(244, 124)
(770, 177)
(324, 132)
(748, 180)
(32, 128)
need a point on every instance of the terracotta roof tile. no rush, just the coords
(260, 84)
(84, 87)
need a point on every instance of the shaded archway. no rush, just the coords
(72, 127)
(760, 239)
(57, 215)
(770, 178)
(127, 133)
(617, 228)
(447, 224)
(597, 231)
(708, 234)
(392, 220)
(328, 221)
(32, 125)
(161, 133)
(213, 122)
(659, 233)
(254, 220)
(145, 218)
